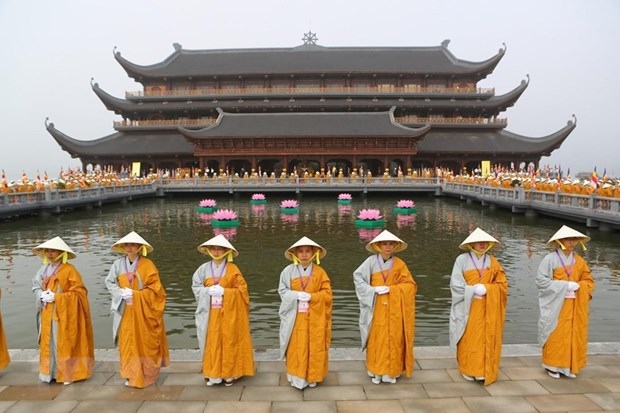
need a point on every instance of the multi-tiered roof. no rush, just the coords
(411, 106)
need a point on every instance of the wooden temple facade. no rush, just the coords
(311, 108)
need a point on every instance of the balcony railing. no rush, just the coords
(458, 120)
(323, 91)
(402, 119)
(162, 123)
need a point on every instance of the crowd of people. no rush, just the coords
(545, 179)
(384, 286)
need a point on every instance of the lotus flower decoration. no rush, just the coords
(289, 203)
(207, 203)
(258, 197)
(344, 197)
(405, 203)
(224, 215)
(369, 215)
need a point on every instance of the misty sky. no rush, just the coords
(52, 49)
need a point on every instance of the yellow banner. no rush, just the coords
(135, 169)
(486, 168)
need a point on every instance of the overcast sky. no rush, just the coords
(52, 49)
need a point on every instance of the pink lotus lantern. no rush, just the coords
(289, 206)
(224, 218)
(258, 199)
(207, 205)
(369, 218)
(344, 199)
(405, 207)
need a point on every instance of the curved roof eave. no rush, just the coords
(112, 103)
(123, 144)
(493, 141)
(307, 59)
(309, 124)
(509, 99)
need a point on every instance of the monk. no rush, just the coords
(222, 315)
(305, 314)
(565, 287)
(65, 330)
(386, 291)
(138, 303)
(479, 295)
(5, 358)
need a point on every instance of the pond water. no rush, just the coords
(175, 228)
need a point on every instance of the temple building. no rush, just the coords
(311, 108)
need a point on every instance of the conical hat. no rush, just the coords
(54, 244)
(131, 238)
(478, 235)
(386, 235)
(217, 241)
(566, 232)
(304, 241)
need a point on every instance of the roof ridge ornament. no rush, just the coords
(177, 46)
(310, 38)
(445, 43)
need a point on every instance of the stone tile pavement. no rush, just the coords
(435, 386)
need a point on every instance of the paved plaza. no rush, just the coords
(435, 386)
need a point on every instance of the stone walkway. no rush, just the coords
(435, 386)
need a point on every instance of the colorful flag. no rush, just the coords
(594, 179)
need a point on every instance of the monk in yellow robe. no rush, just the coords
(565, 287)
(138, 303)
(479, 295)
(222, 315)
(305, 315)
(65, 331)
(386, 291)
(5, 358)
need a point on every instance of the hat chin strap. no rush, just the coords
(316, 255)
(583, 245)
(479, 253)
(143, 250)
(64, 257)
(227, 255)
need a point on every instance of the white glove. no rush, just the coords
(47, 296)
(303, 296)
(382, 289)
(573, 286)
(216, 291)
(480, 289)
(126, 293)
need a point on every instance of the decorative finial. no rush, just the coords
(310, 38)
(177, 46)
(445, 43)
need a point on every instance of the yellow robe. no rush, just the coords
(389, 349)
(228, 349)
(479, 350)
(307, 353)
(5, 359)
(142, 341)
(567, 345)
(75, 354)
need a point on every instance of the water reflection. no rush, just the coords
(175, 228)
(368, 234)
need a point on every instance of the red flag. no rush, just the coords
(594, 179)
